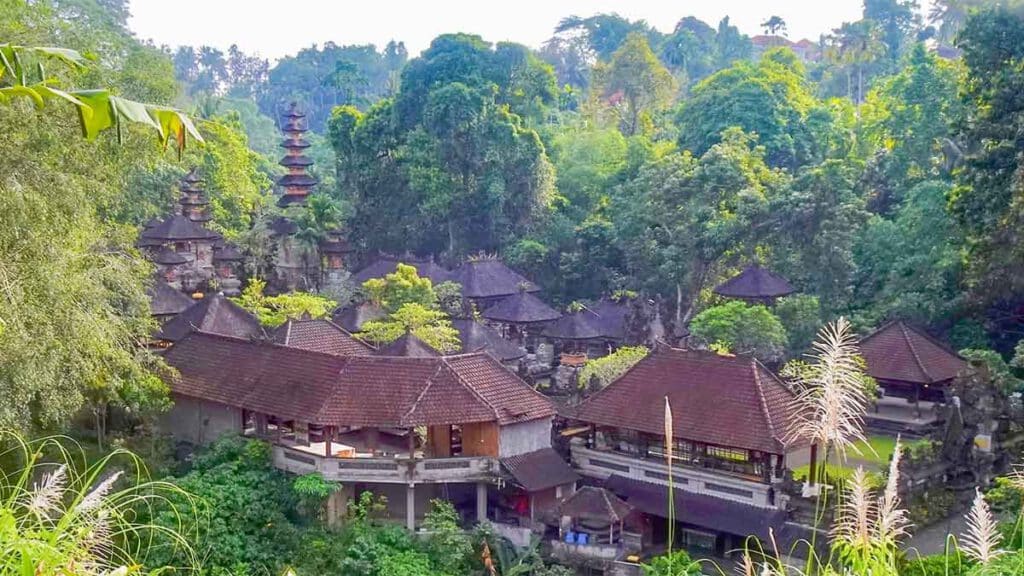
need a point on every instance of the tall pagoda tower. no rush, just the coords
(194, 204)
(296, 184)
(181, 245)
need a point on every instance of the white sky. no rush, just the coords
(276, 28)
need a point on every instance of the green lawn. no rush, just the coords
(874, 456)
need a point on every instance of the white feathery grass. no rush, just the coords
(854, 523)
(831, 401)
(746, 566)
(1016, 477)
(892, 519)
(94, 499)
(981, 540)
(69, 522)
(46, 495)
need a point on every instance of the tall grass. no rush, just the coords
(59, 516)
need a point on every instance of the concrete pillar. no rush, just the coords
(410, 507)
(337, 505)
(481, 501)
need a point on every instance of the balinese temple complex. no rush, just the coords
(184, 250)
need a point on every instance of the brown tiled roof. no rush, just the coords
(166, 301)
(319, 335)
(493, 382)
(539, 470)
(214, 314)
(901, 352)
(706, 511)
(477, 337)
(353, 316)
(595, 504)
(490, 278)
(729, 401)
(755, 282)
(349, 390)
(409, 346)
(178, 227)
(521, 308)
(385, 265)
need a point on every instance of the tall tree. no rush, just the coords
(770, 98)
(681, 215)
(989, 197)
(898, 21)
(635, 84)
(774, 25)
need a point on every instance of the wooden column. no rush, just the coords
(328, 436)
(812, 474)
(372, 439)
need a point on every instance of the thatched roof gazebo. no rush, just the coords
(755, 284)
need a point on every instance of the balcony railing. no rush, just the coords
(604, 463)
(387, 470)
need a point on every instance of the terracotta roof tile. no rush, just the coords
(352, 390)
(730, 401)
(319, 335)
(410, 346)
(901, 352)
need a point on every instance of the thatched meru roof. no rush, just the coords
(476, 337)
(521, 308)
(215, 315)
(755, 283)
(490, 278)
(409, 346)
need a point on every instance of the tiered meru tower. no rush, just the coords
(296, 184)
(189, 256)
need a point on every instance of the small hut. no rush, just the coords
(165, 302)
(755, 284)
(487, 280)
(354, 316)
(592, 516)
(909, 364)
(384, 265)
(519, 314)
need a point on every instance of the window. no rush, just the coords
(682, 451)
(728, 454)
